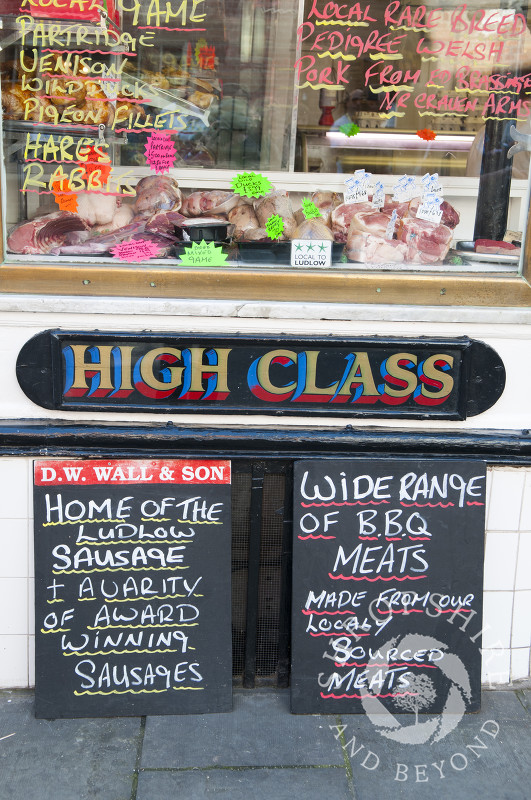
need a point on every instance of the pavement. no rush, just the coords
(260, 751)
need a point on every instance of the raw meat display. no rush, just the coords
(43, 234)
(276, 203)
(426, 242)
(450, 217)
(374, 222)
(244, 219)
(157, 193)
(122, 216)
(98, 244)
(342, 217)
(160, 212)
(415, 241)
(313, 229)
(367, 248)
(97, 209)
(326, 202)
(255, 235)
(496, 247)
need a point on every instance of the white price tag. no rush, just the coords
(357, 187)
(391, 225)
(430, 208)
(430, 183)
(405, 189)
(311, 253)
(378, 198)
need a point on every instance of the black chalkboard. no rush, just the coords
(385, 551)
(132, 595)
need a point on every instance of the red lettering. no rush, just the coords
(387, 76)
(341, 69)
(304, 66)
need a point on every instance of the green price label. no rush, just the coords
(251, 184)
(349, 129)
(309, 209)
(203, 254)
(275, 226)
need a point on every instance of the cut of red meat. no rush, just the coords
(450, 217)
(374, 222)
(426, 242)
(342, 217)
(42, 234)
(370, 249)
(492, 246)
(157, 193)
(402, 209)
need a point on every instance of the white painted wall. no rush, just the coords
(506, 330)
(507, 609)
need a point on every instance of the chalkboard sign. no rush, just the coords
(132, 574)
(387, 586)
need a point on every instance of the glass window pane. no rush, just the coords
(126, 121)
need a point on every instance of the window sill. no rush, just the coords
(436, 289)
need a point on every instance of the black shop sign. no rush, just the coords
(366, 377)
(132, 587)
(387, 588)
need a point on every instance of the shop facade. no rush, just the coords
(240, 104)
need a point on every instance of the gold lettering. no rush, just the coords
(396, 371)
(444, 378)
(262, 372)
(147, 364)
(81, 367)
(199, 369)
(311, 371)
(359, 373)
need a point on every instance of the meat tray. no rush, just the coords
(466, 250)
(275, 252)
(209, 232)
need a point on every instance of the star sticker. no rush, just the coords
(349, 129)
(321, 247)
(298, 247)
(309, 248)
(426, 134)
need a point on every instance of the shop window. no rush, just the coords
(183, 147)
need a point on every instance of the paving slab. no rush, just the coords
(259, 732)
(64, 759)
(258, 784)
(486, 755)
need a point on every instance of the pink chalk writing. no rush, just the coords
(135, 250)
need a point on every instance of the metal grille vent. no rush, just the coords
(261, 563)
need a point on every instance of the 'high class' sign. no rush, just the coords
(373, 376)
